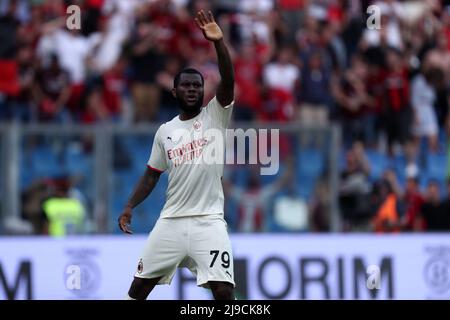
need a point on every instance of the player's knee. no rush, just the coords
(222, 291)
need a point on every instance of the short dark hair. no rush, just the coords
(176, 81)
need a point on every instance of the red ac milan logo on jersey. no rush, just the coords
(140, 266)
(197, 125)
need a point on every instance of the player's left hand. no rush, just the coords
(209, 27)
(125, 221)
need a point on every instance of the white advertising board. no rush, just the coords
(285, 266)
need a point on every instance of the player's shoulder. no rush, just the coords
(171, 121)
(212, 102)
(168, 126)
(161, 129)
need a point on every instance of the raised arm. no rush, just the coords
(142, 190)
(212, 32)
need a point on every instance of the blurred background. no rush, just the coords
(362, 113)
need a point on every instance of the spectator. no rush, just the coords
(51, 92)
(332, 39)
(111, 37)
(391, 176)
(65, 214)
(9, 26)
(423, 96)
(446, 202)
(248, 97)
(447, 129)
(258, 26)
(355, 189)
(9, 42)
(208, 68)
(32, 199)
(437, 62)
(314, 96)
(72, 49)
(439, 57)
(355, 103)
(169, 107)
(276, 105)
(259, 6)
(290, 211)
(19, 107)
(292, 12)
(93, 107)
(397, 110)
(411, 162)
(114, 83)
(253, 201)
(435, 212)
(282, 73)
(412, 202)
(319, 207)
(389, 33)
(387, 217)
(147, 59)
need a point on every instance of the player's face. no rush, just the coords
(189, 92)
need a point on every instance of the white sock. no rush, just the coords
(129, 298)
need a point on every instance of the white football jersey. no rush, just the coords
(192, 152)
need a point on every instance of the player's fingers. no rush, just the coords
(198, 19)
(124, 227)
(123, 222)
(121, 227)
(211, 17)
(206, 17)
(201, 17)
(199, 24)
(127, 230)
(119, 222)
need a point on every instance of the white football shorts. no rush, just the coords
(200, 243)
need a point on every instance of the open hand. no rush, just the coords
(125, 220)
(209, 27)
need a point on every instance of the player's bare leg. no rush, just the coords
(222, 290)
(141, 288)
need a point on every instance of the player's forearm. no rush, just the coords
(144, 187)
(225, 65)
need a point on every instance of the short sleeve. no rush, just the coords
(157, 160)
(221, 116)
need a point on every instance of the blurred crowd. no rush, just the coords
(55, 207)
(385, 80)
(388, 204)
(311, 61)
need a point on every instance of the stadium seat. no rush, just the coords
(436, 166)
(306, 186)
(45, 162)
(378, 163)
(311, 165)
(79, 162)
(311, 162)
(268, 179)
(399, 163)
